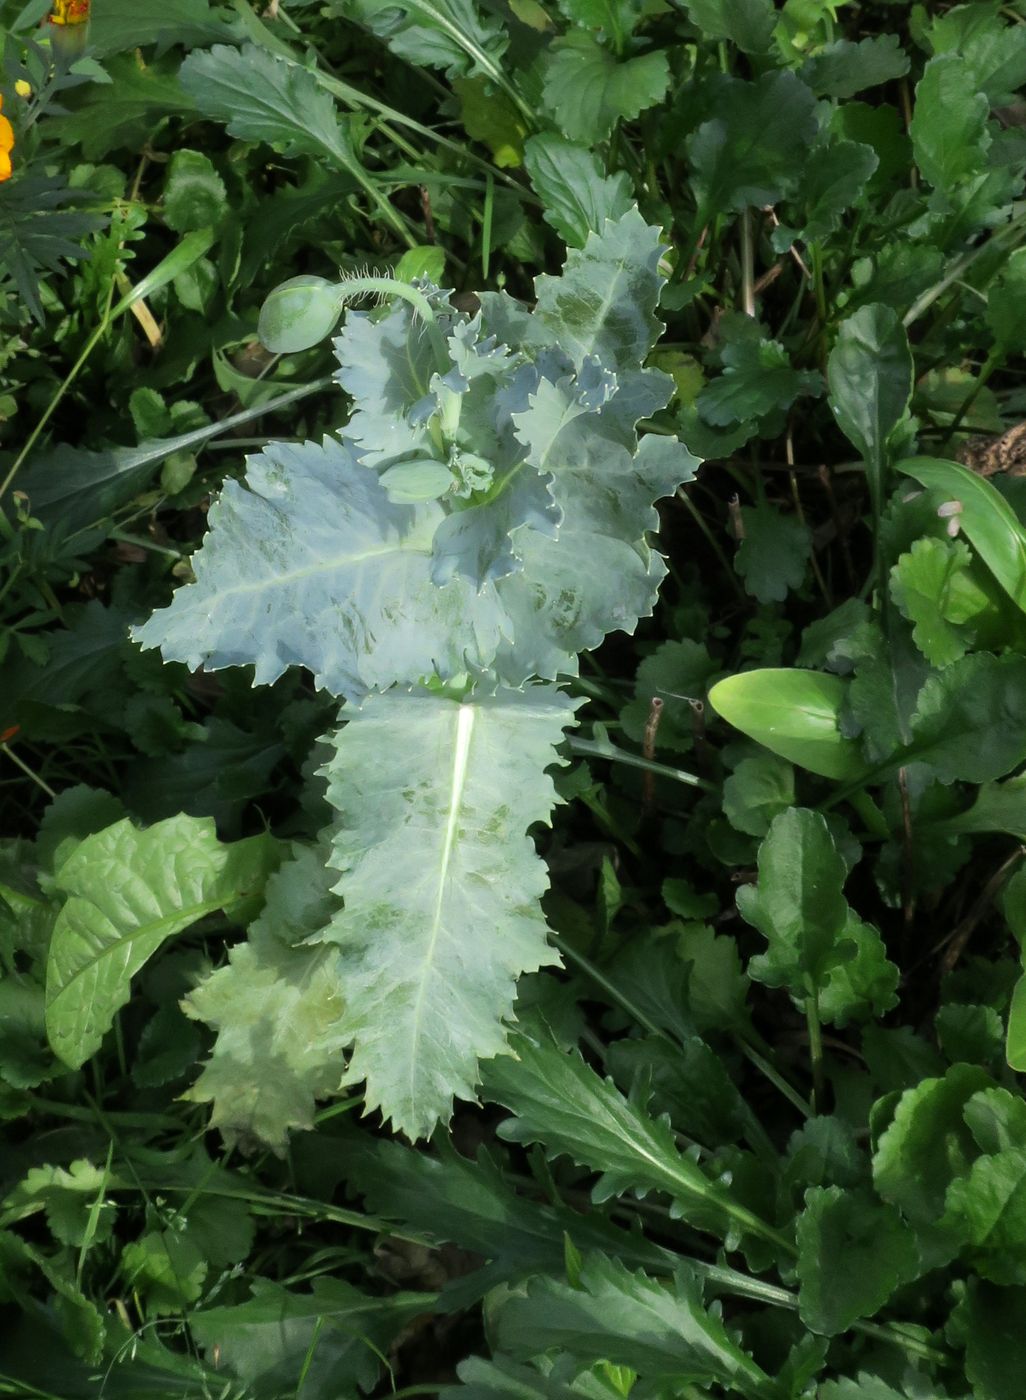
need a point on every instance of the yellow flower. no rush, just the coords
(6, 144)
(69, 12)
(22, 88)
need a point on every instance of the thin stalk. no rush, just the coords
(29, 772)
(747, 265)
(713, 544)
(992, 362)
(595, 749)
(815, 1049)
(767, 1069)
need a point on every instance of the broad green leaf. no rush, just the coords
(798, 903)
(949, 124)
(984, 516)
(325, 1343)
(970, 720)
(430, 962)
(74, 1200)
(1015, 1045)
(577, 196)
(276, 1007)
(994, 51)
(923, 1149)
(120, 25)
(853, 1254)
(972, 1032)
(127, 892)
(757, 379)
(758, 790)
(933, 587)
(261, 97)
(676, 673)
(717, 988)
(588, 90)
(503, 1379)
(843, 68)
(111, 115)
(664, 1334)
(753, 150)
(455, 35)
(490, 116)
(194, 193)
(773, 553)
(614, 20)
(884, 691)
(350, 596)
(562, 1103)
(870, 378)
(427, 261)
(992, 1320)
(1006, 305)
(835, 177)
(987, 1209)
(794, 714)
(747, 23)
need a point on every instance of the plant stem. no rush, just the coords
(595, 749)
(815, 1050)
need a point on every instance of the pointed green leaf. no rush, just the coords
(665, 1334)
(870, 378)
(129, 890)
(798, 903)
(562, 1103)
(1015, 1046)
(441, 886)
(793, 713)
(983, 515)
(262, 97)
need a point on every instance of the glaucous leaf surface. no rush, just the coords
(309, 563)
(441, 886)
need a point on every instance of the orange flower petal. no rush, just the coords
(5, 166)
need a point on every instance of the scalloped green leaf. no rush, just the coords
(441, 885)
